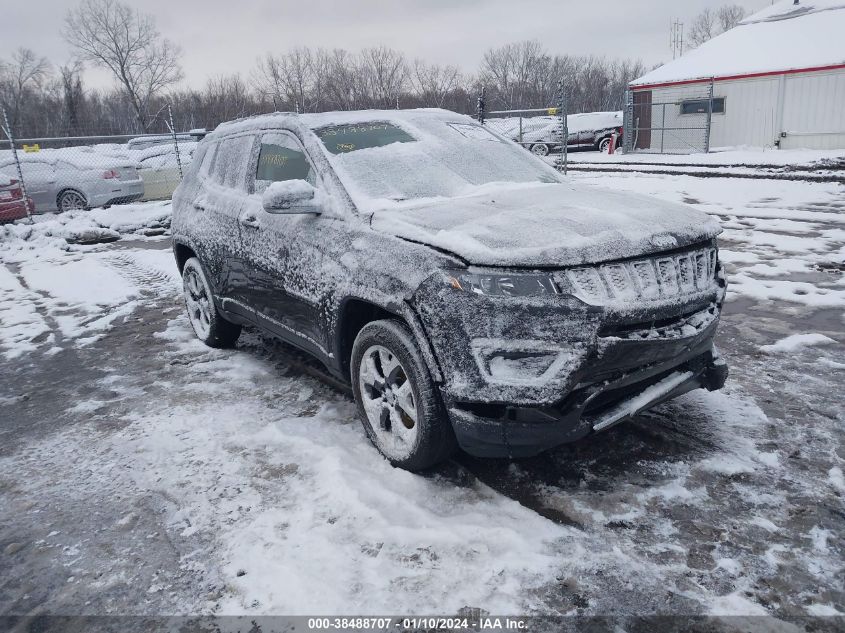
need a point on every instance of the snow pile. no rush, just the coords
(796, 342)
(51, 232)
(780, 37)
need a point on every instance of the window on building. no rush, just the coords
(699, 106)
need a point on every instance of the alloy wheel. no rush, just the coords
(198, 303)
(72, 201)
(389, 401)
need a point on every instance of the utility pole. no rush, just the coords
(676, 38)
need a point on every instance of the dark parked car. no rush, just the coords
(13, 206)
(469, 293)
(589, 130)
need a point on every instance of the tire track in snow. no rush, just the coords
(149, 280)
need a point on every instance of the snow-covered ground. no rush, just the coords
(723, 157)
(141, 472)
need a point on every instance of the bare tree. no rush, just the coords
(729, 16)
(126, 42)
(516, 72)
(709, 23)
(384, 74)
(25, 71)
(703, 28)
(72, 94)
(434, 83)
(288, 78)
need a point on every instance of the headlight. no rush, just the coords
(502, 285)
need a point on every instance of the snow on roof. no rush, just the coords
(82, 157)
(782, 37)
(314, 120)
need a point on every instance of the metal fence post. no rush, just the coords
(709, 119)
(563, 159)
(628, 123)
(479, 106)
(175, 140)
(7, 130)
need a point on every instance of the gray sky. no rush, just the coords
(226, 36)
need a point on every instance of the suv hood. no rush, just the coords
(551, 225)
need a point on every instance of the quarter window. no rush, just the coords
(281, 158)
(699, 106)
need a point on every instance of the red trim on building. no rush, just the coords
(770, 73)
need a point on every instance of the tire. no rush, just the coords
(540, 149)
(392, 385)
(211, 328)
(71, 200)
(603, 144)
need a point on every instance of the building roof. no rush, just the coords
(784, 37)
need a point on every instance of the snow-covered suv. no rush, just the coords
(469, 293)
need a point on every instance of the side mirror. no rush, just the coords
(290, 196)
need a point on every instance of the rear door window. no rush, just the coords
(208, 160)
(280, 158)
(232, 162)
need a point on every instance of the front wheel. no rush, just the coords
(209, 326)
(540, 149)
(397, 401)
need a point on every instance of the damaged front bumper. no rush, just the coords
(509, 431)
(522, 375)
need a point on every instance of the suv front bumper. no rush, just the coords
(508, 431)
(524, 375)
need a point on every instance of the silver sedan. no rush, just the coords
(57, 181)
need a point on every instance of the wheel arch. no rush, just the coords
(355, 312)
(183, 252)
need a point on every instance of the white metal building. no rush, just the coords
(778, 81)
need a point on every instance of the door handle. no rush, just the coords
(250, 220)
(199, 207)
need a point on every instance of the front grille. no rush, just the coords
(646, 279)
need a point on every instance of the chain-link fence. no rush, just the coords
(540, 130)
(63, 173)
(671, 119)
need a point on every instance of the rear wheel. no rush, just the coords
(71, 200)
(604, 144)
(397, 401)
(540, 149)
(209, 326)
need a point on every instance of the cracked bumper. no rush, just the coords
(514, 432)
(588, 367)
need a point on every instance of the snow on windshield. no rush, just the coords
(340, 139)
(425, 158)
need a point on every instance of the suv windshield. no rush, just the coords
(425, 158)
